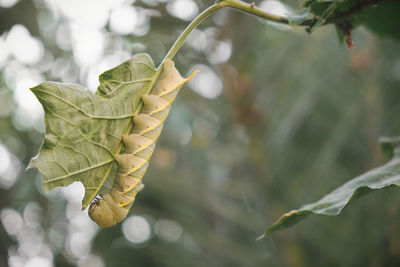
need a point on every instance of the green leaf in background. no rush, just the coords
(333, 203)
(340, 34)
(383, 19)
(84, 130)
(380, 16)
(319, 7)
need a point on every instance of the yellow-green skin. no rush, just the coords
(114, 206)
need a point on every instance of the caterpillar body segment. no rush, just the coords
(156, 106)
(135, 143)
(124, 199)
(114, 206)
(129, 163)
(147, 126)
(127, 182)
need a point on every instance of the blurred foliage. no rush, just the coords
(381, 19)
(298, 116)
(378, 15)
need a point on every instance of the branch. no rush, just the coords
(253, 10)
(340, 17)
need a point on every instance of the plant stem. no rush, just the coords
(181, 39)
(193, 25)
(253, 10)
(235, 4)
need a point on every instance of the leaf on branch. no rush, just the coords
(326, 13)
(380, 16)
(84, 130)
(333, 203)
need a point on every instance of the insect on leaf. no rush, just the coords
(113, 207)
(84, 130)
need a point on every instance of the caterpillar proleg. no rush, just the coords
(114, 206)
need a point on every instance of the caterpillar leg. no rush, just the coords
(127, 182)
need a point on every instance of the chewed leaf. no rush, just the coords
(113, 207)
(333, 203)
(84, 130)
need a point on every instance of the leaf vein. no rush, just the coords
(79, 171)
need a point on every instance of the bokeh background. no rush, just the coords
(275, 119)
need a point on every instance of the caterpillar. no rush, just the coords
(113, 207)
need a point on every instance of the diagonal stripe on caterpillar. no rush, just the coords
(114, 206)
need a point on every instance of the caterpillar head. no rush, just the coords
(105, 212)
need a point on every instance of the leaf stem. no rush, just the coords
(254, 10)
(181, 39)
(235, 4)
(193, 25)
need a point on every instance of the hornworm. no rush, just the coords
(114, 206)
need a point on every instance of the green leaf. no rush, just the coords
(325, 11)
(84, 130)
(333, 203)
(340, 34)
(383, 19)
(380, 17)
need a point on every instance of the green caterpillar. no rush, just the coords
(114, 206)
